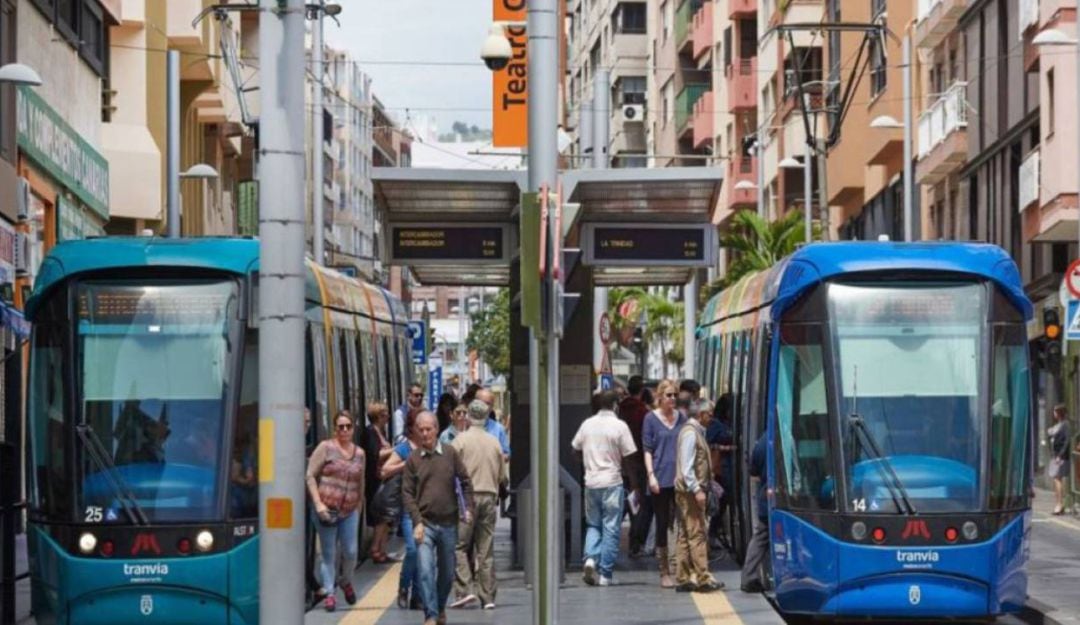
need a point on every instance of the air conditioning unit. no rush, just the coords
(22, 254)
(22, 200)
(633, 113)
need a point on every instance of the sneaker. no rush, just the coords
(463, 602)
(350, 594)
(608, 581)
(709, 586)
(442, 619)
(416, 604)
(753, 587)
(403, 598)
(589, 574)
(330, 604)
(489, 606)
(685, 587)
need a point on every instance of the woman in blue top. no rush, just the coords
(658, 436)
(394, 466)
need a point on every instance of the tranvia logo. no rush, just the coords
(917, 557)
(914, 595)
(146, 605)
(157, 568)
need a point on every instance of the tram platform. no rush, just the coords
(638, 599)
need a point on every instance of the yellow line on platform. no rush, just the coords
(716, 609)
(372, 605)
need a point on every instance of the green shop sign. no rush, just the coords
(72, 222)
(53, 145)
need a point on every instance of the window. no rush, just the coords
(50, 476)
(668, 103)
(243, 472)
(7, 94)
(629, 18)
(667, 16)
(727, 46)
(82, 24)
(1051, 112)
(1010, 411)
(878, 68)
(633, 89)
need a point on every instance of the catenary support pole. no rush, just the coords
(909, 174)
(808, 191)
(281, 312)
(601, 127)
(543, 75)
(172, 148)
(318, 240)
(690, 296)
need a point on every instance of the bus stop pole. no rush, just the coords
(281, 312)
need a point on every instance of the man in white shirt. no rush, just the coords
(604, 441)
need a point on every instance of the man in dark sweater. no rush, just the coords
(435, 489)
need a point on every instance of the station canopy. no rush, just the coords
(441, 223)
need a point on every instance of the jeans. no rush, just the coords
(343, 534)
(435, 566)
(603, 519)
(407, 580)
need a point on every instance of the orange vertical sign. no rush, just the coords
(510, 85)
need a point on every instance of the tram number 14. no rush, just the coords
(858, 505)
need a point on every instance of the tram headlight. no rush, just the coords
(204, 540)
(970, 530)
(87, 542)
(858, 530)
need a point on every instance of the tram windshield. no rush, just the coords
(154, 362)
(907, 364)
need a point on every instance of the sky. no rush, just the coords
(392, 38)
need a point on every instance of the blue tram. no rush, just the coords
(143, 416)
(892, 383)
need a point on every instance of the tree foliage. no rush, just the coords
(490, 333)
(755, 244)
(663, 320)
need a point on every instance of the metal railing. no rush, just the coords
(684, 16)
(947, 114)
(684, 103)
(1029, 180)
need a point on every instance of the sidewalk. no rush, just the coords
(637, 600)
(1054, 565)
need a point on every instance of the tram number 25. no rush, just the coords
(859, 505)
(93, 514)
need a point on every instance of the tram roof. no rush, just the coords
(229, 255)
(779, 287)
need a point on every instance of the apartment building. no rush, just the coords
(676, 83)
(610, 35)
(865, 166)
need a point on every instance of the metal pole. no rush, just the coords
(823, 191)
(759, 148)
(318, 245)
(462, 308)
(281, 312)
(543, 76)
(601, 127)
(172, 148)
(909, 175)
(690, 295)
(808, 191)
(585, 132)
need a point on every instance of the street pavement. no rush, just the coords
(1054, 580)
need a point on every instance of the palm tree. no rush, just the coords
(756, 244)
(663, 320)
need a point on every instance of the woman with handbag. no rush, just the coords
(381, 511)
(1059, 460)
(335, 481)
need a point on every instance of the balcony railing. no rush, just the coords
(1029, 180)
(703, 121)
(946, 115)
(684, 103)
(926, 7)
(702, 30)
(742, 84)
(684, 16)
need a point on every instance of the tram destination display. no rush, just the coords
(689, 245)
(436, 243)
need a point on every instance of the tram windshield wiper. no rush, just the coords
(892, 480)
(100, 457)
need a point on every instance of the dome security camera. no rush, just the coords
(496, 52)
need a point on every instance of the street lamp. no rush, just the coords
(744, 185)
(19, 74)
(886, 122)
(204, 173)
(791, 162)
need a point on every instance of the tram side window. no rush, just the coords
(318, 358)
(243, 468)
(805, 454)
(48, 405)
(1010, 414)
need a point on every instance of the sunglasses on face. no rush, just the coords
(670, 395)
(342, 427)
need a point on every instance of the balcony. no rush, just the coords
(742, 84)
(701, 30)
(1029, 22)
(684, 17)
(1028, 190)
(936, 19)
(741, 168)
(684, 105)
(943, 136)
(741, 8)
(703, 121)
(1046, 217)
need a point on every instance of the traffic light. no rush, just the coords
(1052, 340)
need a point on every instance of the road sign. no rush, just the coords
(435, 386)
(605, 328)
(1072, 321)
(648, 245)
(433, 244)
(418, 334)
(1072, 278)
